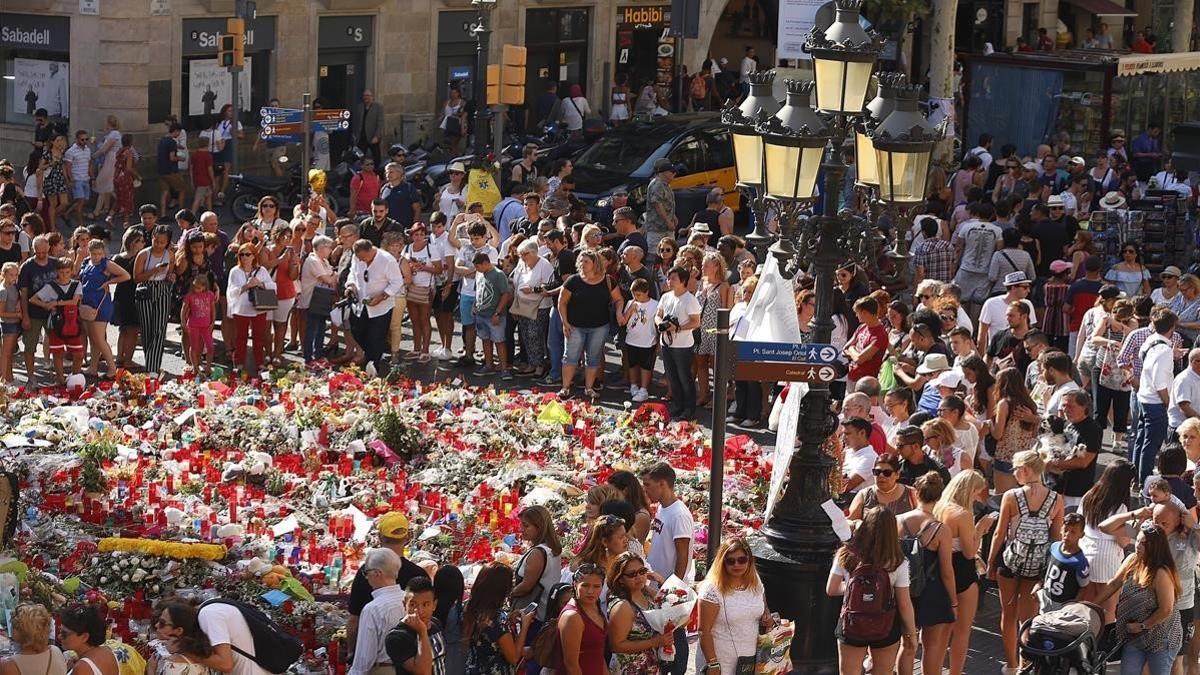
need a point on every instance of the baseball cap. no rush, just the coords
(393, 525)
(1029, 166)
(1078, 161)
(663, 164)
(1109, 292)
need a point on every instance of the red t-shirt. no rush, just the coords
(202, 161)
(865, 337)
(368, 185)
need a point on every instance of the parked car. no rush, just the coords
(625, 156)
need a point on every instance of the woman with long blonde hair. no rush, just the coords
(956, 510)
(1008, 564)
(733, 608)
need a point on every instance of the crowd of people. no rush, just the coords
(974, 419)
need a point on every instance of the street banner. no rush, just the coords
(796, 18)
(41, 84)
(785, 441)
(210, 86)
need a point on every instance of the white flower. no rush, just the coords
(124, 577)
(154, 588)
(135, 561)
(104, 580)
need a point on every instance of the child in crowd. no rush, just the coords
(196, 314)
(492, 298)
(202, 176)
(1067, 570)
(1159, 491)
(640, 338)
(61, 298)
(10, 318)
(393, 243)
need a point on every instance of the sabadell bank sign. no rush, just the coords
(28, 31)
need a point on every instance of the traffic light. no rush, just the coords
(237, 30)
(493, 84)
(512, 75)
(225, 51)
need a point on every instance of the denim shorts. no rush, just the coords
(491, 332)
(1002, 466)
(466, 309)
(80, 189)
(10, 328)
(587, 342)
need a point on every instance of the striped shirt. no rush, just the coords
(1130, 354)
(936, 257)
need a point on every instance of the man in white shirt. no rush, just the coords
(386, 609)
(375, 280)
(749, 65)
(1185, 393)
(1071, 196)
(858, 457)
(1154, 391)
(993, 317)
(233, 644)
(983, 151)
(673, 530)
(79, 159)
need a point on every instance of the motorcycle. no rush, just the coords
(248, 190)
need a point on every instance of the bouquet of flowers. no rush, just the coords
(675, 601)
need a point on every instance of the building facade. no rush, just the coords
(142, 60)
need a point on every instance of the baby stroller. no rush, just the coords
(1067, 641)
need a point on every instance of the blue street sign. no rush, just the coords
(793, 352)
(278, 111)
(331, 125)
(285, 138)
(282, 116)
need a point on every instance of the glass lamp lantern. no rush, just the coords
(879, 108)
(747, 143)
(843, 59)
(904, 144)
(793, 145)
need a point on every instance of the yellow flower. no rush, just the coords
(167, 549)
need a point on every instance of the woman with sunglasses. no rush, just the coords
(248, 321)
(1148, 585)
(1130, 275)
(733, 608)
(941, 442)
(876, 542)
(934, 609)
(177, 627)
(956, 510)
(1013, 562)
(82, 631)
(1007, 181)
(630, 637)
(582, 626)
(31, 635)
(283, 259)
(665, 260)
(451, 198)
(605, 541)
(152, 270)
(887, 492)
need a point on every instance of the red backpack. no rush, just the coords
(64, 320)
(868, 606)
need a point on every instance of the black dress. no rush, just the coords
(124, 310)
(932, 607)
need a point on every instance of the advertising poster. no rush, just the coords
(210, 86)
(41, 84)
(796, 19)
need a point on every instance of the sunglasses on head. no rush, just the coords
(886, 473)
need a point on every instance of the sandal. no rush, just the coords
(591, 394)
(423, 358)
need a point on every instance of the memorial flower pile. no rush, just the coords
(267, 491)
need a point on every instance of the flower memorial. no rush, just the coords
(267, 491)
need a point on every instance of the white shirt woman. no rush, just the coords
(735, 631)
(240, 302)
(315, 267)
(539, 275)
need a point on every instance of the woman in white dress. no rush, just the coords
(732, 609)
(620, 100)
(106, 153)
(183, 645)
(1105, 550)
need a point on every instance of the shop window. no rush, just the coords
(33, 79)
(206, 87)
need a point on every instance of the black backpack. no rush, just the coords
(275, 651)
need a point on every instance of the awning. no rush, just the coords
(1136, 64)
(1102, 8)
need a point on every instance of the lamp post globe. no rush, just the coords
(743, 122)
(879, 108)
(904, 144)
(794, 143)
(843, 59)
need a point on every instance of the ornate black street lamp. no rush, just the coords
(748, 152)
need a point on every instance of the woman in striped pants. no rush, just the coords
(152, 270)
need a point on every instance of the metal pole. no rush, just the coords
(481, 49)
(306, 148)
(236, 100)
(716, 469)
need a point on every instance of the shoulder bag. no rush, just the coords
(264, 299)
(524, 305)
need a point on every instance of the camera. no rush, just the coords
(668, 324)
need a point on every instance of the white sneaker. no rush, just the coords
(633, 389)
(640, 395)
(444, 354)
